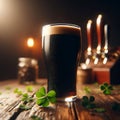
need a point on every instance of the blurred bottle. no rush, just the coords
(27, 70)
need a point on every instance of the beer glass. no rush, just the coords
(60, 46)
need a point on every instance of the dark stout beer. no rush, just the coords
(61, 45)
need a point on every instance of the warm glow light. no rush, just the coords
(87, 62)
(99, 19)
(96, 61)
(83, 66)
(89, 53)
(89, 24)
(98, 49)
(105, 60)
(30, 42)
(3, 7)
(70, 99)
(89, 50)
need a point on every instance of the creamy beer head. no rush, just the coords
(60, 29)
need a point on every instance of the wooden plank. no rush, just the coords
(10, 102)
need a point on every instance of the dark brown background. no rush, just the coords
(20, 19)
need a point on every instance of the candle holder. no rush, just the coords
(84, 74)
(104, 62)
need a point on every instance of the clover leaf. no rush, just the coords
(41, 92)
(43, 98)
(88, 102)
(106, 88)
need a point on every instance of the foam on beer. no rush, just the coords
(60, 29)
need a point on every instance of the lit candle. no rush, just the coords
(30, 42)
(89, 33)
(99, 31)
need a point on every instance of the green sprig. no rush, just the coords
(24, 107)
(29, 88)
(26, 98)
(99, 110)
(87, 90)
(17, 91)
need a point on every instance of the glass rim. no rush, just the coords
(60, 28)
(62, 24)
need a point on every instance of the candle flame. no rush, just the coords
(89, 49)
(106, 48)
(105, 60)
(84, 66)
(96, 61)
(99, 19)
(87, 62)
(30, 42)
(98, 49)
(89, 24)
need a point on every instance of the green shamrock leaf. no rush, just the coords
(41, 92)
(40, 101)
(88, 102)
(106, 88)
(43, 98)
(51, 93)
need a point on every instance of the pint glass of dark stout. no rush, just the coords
(60, 46)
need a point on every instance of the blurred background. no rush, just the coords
(21, 19)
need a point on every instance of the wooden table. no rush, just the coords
(10, 102)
